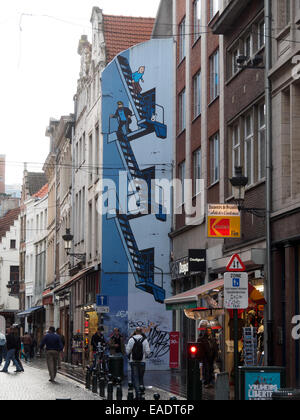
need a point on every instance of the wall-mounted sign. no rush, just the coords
(197, 260)
(223, 221)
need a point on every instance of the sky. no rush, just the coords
(40, 68)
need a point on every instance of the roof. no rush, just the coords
(35, 181)
(122, 32)
(42, 192)
(7, 221)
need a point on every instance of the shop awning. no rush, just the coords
(29, 311)
(189, 299)
(69, 282)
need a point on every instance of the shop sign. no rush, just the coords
(223, 221)
(48, 300)
(236, 292)
(197, 260)
(260, 383)
(174, 350)
(180, 268)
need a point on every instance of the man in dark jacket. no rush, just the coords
(123, 114)
(11, 345)
(210, 353)
(53, 347)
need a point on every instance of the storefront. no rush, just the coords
(187, 274)
(78, 320)
(203, 307)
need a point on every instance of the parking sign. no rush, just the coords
(236, 292)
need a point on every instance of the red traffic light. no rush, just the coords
(192, 350)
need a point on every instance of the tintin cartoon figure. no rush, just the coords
(136, 78)
(124, 117)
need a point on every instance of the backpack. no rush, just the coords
(2, 340)
(138, 350)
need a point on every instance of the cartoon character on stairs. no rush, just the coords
(123, 114)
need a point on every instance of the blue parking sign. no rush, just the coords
(236, 282)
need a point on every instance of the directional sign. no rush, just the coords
(223, 221)
(236, 292)
(236, 264)
(101, 300)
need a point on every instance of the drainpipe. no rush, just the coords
(269, 351)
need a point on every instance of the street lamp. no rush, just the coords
(68, 238)
(239, 183)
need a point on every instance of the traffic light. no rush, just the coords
(194, 384)
(193, 350)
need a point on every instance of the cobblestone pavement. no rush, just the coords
(33, 384)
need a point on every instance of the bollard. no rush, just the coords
(119, 390)
(94, 382)
(88, 378)
(156, 397)
(130, 396)
(110, 389)
(142, 393)
(102, 384)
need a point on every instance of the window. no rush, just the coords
(214, 76)
(182, 179)
(283, 13)
(182, 40)
(249, 146)
(248, 46)
(91, 158)
(214, 158)
(197, 94)
(182, 119)
(234, 65)
(197, 160)
(197, 19)
(12, 244)
(261, 34)
(214, 8)
(261, 141)
(236, 147)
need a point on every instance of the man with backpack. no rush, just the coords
(138, 349)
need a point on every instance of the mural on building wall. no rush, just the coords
(137, 123)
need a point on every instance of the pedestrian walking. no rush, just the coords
(11, 346)
(137, 350)
(210, 353)
(18, 349)
(58, 332)
(27, 341)
(2, 347)
(116, 343)
(53, 347)
(33, 347)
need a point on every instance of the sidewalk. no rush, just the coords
(153, 384)
(171, 382)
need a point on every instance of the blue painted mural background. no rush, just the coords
(137, 121)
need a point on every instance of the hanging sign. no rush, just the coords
(223, 221)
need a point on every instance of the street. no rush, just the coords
(34, 384)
